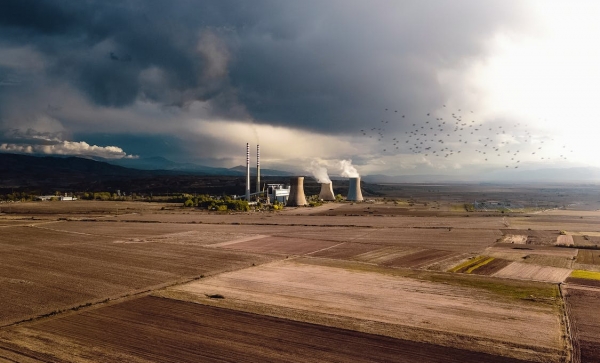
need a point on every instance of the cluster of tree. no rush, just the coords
(224, 203)
(18, 197)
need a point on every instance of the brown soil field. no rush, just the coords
(583, 305)
(385, 253)
(586, 240)
(590, 257)
(420, 259)
(510, 326)
(586, 282)
(43, 271)
(491, 268)
(535, 237)
(565, 240)
(302, 219)
(547, 221)
(524, 271)
(459, 240)
(553, 256)
(514, 238)
(188, 332)
(346, 250)
(281, 245)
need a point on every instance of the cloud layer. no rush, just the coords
(197, 79)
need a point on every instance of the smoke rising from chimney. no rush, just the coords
(348, 170)
(318, 171)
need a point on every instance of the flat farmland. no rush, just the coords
(140, 282)
(44, 271)
(557, 220)
(385, 255)
(289, 218)
(590, 257)
(583, 304)
(147, 229)
(420, 259)
(347, 250)
(281, 245)
(461, 317)
(459, 240)
(188, 332)
(524, 271)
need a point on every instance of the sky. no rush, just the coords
(454, 87)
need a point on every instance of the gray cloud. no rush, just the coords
(326, 66)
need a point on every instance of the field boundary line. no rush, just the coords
(324, 249)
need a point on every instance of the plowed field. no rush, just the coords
(281, 245)
(154, 329)
(491, 268)
(395, 301)
(42, 271)
(590, 257)
(420, 259)
(583, 303)
(448, 239)
(346, 250)
(524, 271)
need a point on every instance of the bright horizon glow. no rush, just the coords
(550, 79)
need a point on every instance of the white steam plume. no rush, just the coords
(318, 171)
(348, 170)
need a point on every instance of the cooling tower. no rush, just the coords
(326, 192)
(296, 197)
(354, 192)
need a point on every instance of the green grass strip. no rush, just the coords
(483, 263)
(467, 263)
(582, 274)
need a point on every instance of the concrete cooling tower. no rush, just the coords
(326, 192)
(296, 197)
(354, 192)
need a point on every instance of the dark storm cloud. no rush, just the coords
(331, 66)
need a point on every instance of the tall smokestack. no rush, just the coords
(257, 171)
(297, 197)
(354, 192)
(248, 172)
(326, 192)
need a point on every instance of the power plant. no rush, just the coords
(326, 192)
(297, 197)
(354, 192)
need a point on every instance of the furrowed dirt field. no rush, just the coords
(442, 314)
(128, 281)
(188, 332)
(43, 271)
(583, 304)
(524, 271)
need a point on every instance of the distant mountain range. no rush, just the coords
(26, 171)
(160, 163)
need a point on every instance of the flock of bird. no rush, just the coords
(448, 134)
